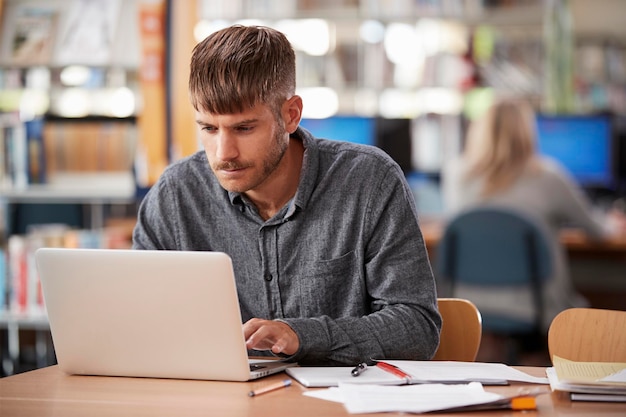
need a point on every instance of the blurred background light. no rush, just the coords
(477, 101)
(311, 36)
(121, 102)
(74, 102)
(319, 102)
(75, 75)
(205, 27)
(33, 103)
(428, 33)
(396, 103)
(372, 31)
(439, 100)
(402, 45)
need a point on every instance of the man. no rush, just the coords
(330, 263)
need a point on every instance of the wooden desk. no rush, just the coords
(574, 241)
(49, 392)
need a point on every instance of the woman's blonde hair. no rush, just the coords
(501, 145)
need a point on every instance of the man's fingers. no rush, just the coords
(280, 345)
(258, 339)
(270, 335)
(250, 327)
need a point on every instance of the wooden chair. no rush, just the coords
(461, 330)
(588, 335)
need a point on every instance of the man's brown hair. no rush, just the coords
(240, 66)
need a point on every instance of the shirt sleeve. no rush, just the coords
(155, 229)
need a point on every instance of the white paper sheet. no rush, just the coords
(451, 371)
(412, 398)
(619, 376)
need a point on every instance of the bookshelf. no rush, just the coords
(70, 101)
(81, 133)
(77, 71)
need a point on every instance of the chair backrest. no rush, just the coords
(588, 335)
(461, 330)
(493, 246)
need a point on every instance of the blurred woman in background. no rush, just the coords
(501, 166)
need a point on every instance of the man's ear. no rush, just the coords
(292, 113)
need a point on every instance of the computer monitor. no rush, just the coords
(356, 129)
(394, 136)
(583, 144)
(619, 133)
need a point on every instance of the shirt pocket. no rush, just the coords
(332, 287)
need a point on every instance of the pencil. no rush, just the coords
(271, 387)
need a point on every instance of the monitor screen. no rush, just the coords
(619, 133)
(355, 129)
(583, 144)
(394, 136)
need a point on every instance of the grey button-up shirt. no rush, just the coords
(343, 263)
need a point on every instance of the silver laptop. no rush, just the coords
(159, 314)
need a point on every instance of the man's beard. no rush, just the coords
(270, 163)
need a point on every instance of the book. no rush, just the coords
(20, 286)
(17, 273)
(3, 281)
(36, 157)
(89, 146)
(588, 381)
(413, 372)
(578, 396)
(13, 152)
(5, 179)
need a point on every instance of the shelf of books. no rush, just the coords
(81, 92)
(22, 305)
(78, 160)
(83, 125)
(20, 279)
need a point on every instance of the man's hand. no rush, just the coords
(270, 335)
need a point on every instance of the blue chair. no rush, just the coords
(490, 246)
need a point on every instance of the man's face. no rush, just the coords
(243, 149)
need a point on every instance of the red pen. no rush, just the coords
(394, 370)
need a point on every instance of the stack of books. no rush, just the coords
(588, 381)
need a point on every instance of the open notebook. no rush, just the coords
(160, 314)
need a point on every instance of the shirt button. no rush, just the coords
(268, 277)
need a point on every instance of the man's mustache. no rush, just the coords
(229, 165)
